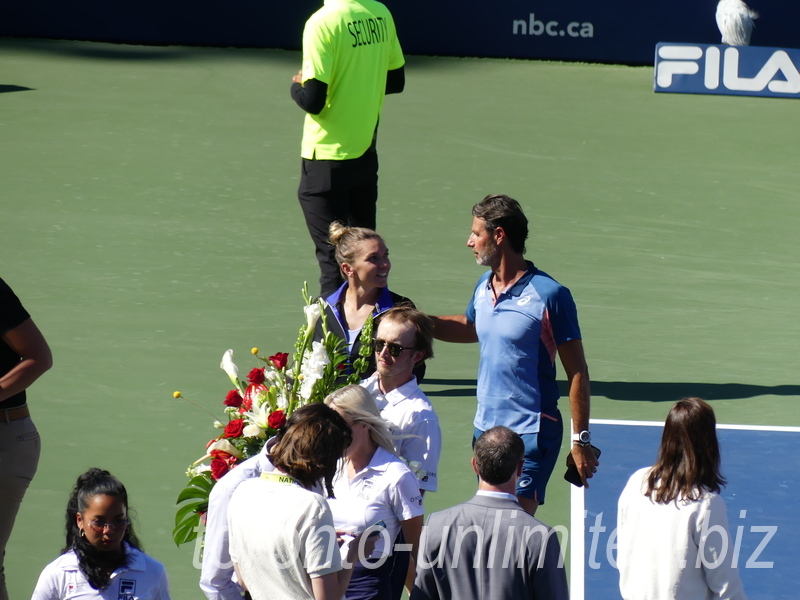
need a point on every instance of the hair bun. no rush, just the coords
(336, 231)
(92, 475)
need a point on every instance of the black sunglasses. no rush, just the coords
(394, 349)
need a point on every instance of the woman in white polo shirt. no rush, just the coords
(373, 486)
(102, 557)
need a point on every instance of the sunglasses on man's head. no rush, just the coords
(394, 349)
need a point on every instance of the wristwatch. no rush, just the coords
(584, 438)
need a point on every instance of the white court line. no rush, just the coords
(577, 515)
(577, 550)
(719, 425)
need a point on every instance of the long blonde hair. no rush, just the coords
(357, 405)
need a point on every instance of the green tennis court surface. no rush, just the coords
(149, 222)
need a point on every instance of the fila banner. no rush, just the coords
(729, 70)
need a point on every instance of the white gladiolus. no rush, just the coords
(230, 367)
(313, 312)
(318, 360)
(254, 431)
(314, 363)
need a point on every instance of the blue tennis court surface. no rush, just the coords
(762, 467)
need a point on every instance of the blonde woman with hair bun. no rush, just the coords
(374, 486)
(364, 261)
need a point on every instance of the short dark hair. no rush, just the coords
(688, 460)
(423, 326)
(498, 453)
(310, 447)
(499, 210)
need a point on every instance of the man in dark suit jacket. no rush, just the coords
(489, 547)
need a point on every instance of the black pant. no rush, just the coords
(337, 190)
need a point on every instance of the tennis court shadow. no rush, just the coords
(14, 88)
(466, 389)
(141, 53)
(669, 392)
(635, 391)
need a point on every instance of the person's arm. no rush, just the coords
(239, 576)
(332, 586)
(396, 81)
(47, 587)
(27, 341)
(549, 578)
(454, 328)
(425, 587)
(310, 95)
(216, 575)
(424, 445)
(722, 578)
(574, 362)
(412, 529)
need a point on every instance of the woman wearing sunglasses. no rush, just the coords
(102, 557)
(373, 486)
(364, 260)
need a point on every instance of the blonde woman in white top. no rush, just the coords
(374, 486)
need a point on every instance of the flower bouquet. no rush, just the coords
(258, 407)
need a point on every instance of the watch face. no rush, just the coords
(585, 437)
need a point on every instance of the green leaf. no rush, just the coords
(195, 507)
(186, 531)
(199, 487)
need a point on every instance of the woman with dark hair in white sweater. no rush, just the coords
(672, 526)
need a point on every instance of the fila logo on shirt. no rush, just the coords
(738, 71)
(366, 487)
(127, 589)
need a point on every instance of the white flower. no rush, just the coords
(283, 401)
(218, 425)
(314, 363)
(230, 367)
(254, 431)
(258, 416)
(313, 312)
(317, 360)
(224, 445)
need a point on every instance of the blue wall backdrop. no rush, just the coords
(615, 31)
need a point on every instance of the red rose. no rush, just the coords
(256, 376)
(276, 419)
(218, 468)
(230, 459)
(234, 398)
(234, 428)
(280, 359)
